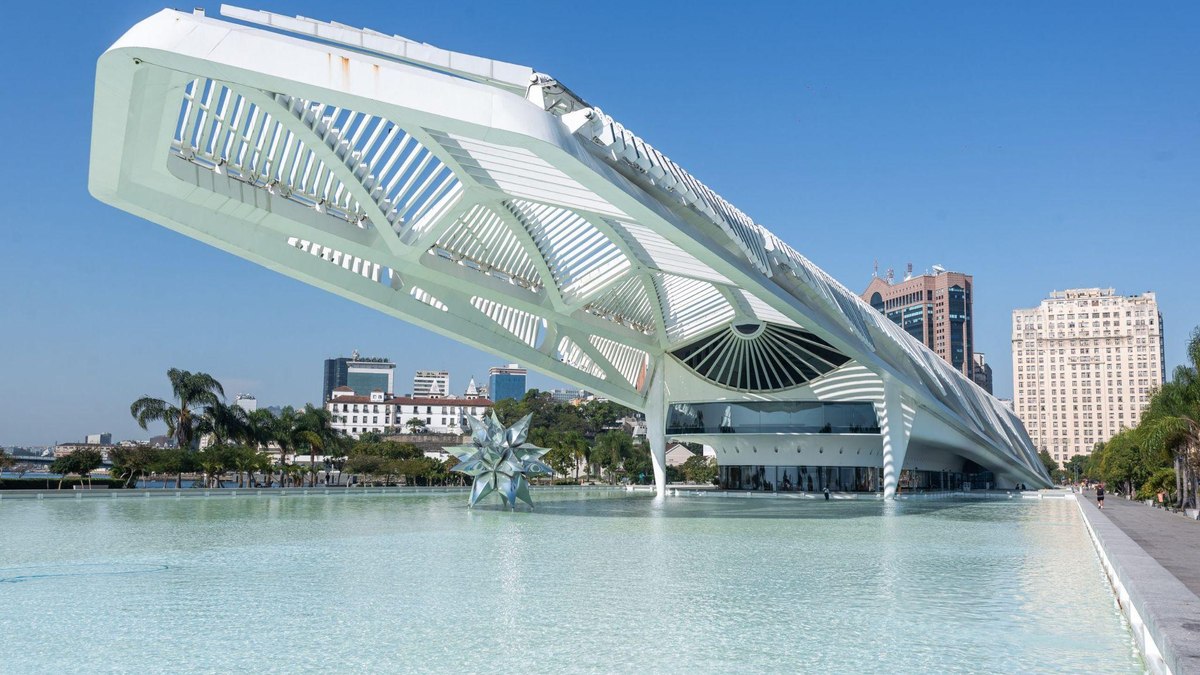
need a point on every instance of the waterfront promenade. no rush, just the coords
(1171, 539)
(1146, 553)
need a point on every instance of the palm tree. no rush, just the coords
(215, 461)
(1172, 422)
(192, 391)
(295, 430)
(257, 433)
(222, 422)
(282, 430)
(318, 434)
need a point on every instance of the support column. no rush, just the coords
(895, 436)
(656, 427)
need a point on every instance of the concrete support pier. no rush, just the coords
(656, 429)
(895, 438)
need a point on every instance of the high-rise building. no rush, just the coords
(981, 372)
(933, 308)
(431, 383)
(246, 402)
(506, 382)
(1084, 364)
(98, 439)
(363, 374)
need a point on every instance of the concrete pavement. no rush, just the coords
(1172, 540)
(1163, 611)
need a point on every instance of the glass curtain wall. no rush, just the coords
(750, 417)
(837, 479)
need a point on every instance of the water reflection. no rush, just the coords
(586, 582)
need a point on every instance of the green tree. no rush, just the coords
(215, 460)
(318, 434)
(1163, 479)
(1125, 461)
(700, 469)
(1076, 467)
(132, 463)
(191, 392)
(1171, 423)
(6, 460)
(63, 466)
(257, 433)
(174, 462)
(295, 431)
(448, 465)
(610, 450)
(81, 462)
(1048, 462)
(415, 425)
(245, 460)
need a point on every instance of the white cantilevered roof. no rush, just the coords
(483, 200)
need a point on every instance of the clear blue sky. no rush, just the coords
(1036, 145)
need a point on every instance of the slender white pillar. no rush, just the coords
(895, 437)
(656, 428)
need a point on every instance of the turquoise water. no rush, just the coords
(588, 582)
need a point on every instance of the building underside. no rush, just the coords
(489, 203)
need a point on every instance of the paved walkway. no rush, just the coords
(1172, 540)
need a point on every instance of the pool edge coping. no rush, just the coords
(1153, 600)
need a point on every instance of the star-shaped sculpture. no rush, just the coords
(499, 460)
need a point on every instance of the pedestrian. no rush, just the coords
(1100, 495)
(826, 491)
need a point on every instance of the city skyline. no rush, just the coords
(1077, 156)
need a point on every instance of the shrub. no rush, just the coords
(1162, 479)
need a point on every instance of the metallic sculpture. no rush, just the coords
(499, 459)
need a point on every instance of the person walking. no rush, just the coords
(826, 491)
(1100, 495)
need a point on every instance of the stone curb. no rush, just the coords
(1163, 614)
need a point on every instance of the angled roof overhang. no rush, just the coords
(479, 199)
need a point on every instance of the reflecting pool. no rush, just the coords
(588, 582)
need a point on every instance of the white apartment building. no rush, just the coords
(355, 415)
(431, 383)
(1085, 362)
(246, 402)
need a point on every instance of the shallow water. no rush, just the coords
(587, 582)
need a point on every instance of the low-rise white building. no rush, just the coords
(355, 415)
(64, 449)
(678, 454)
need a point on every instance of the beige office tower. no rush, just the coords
(1085, 363)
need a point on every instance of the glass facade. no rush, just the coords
(913, 321)
(506, 385)
(842, 479)
(365, 383)
(958, 300)
(335, 376)
(768, 417)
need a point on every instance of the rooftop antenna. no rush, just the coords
(891, 275)
(875, 274)
(908, 272)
